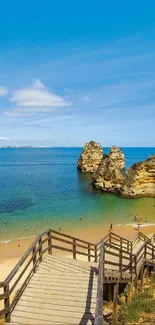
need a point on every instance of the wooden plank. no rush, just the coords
(54, 295)
(99, 301)
(48, 317)
(7, 304)
(79, 301)
(61, 291)
(55, 303)
(115, 300)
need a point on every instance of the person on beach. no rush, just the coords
(111, 227)
(136, 218)
(146, 220)
(81, 217)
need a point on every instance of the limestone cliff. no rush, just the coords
(90, 157)
(110, 174)
(140, 179)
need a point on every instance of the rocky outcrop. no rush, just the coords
(140, 180)
(110, 174)
(90, 157)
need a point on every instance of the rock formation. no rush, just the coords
(111, 172)
(90, 157)
(140, 180)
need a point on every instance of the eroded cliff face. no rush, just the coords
(90, 157)
(110, 174)
(140, 180)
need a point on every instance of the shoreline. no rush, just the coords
(72, 231)
(12, 251)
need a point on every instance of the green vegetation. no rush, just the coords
(141, 305)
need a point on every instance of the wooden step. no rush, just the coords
(56, 305)
(51, 318)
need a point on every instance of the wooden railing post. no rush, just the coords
(34, 258)
(110, 237)
(141, 278)
(40, 249)
(145, 248)
(74, 249)
(135, 260)
(103, 248)
(131, 247)
(131, 267)
(120, 263)
(7, 303)
(99, 301)
(95, 251)
(128, 246)
(88, 252)
(152, 252)
(49, 242)
(115, 300)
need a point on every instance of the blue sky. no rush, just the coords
(71, 72)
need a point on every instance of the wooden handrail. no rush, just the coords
(99, 300)
(122, 249)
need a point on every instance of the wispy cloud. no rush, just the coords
(85, 98)
(4, 138)
(35, 99)
(3, 91)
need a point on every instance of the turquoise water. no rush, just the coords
(41, 188)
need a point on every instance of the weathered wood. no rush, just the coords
(7, 304)
(110, 292)
(71, 237)
(115, 300)
(99, 301)
(120, 262)
(114, 245)
(49, 242)
(141, 278)
(95, 250)
(131, 266)
(40, 249)
(74, 248)
(89, 252)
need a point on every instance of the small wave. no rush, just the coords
(135, 224)
(5, 241)
(18, 238)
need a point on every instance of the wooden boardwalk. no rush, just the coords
(62, 291)
(47, 288)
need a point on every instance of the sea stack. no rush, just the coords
(110, 174)
(140, 180)
(90, 157)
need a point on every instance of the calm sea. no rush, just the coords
(41, 188)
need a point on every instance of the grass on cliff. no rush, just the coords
(141, 303)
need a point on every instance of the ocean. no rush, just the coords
(41, 188)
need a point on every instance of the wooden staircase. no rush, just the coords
(62, 291)
(48, 288)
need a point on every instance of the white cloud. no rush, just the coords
(85, 98)
(35, 99)
(4, 138)
(3, 91)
